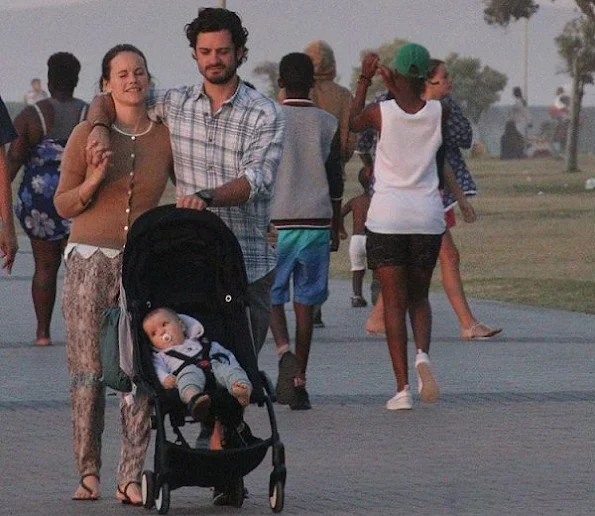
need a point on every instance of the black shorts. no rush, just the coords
(402, 250)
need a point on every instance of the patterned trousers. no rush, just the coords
(90, 285)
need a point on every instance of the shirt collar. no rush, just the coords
(298, 102)
(199, 91)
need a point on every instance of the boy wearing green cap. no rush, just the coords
(405, 221)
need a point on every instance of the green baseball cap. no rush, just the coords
(412, 60)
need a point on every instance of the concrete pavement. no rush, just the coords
(512, 433)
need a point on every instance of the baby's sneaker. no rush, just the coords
(403, 400)
(426, 384)
(241, 392)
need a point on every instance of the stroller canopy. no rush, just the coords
(176, 257)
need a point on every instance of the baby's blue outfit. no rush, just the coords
(226, 369)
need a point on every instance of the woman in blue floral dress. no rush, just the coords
(43, 130)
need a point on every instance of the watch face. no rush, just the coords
(206, 196)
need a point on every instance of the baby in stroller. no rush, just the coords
(181, 356)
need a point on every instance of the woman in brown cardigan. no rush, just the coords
(103, 201)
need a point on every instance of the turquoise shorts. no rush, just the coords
(304, 255)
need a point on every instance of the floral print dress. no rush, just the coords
(35, 202)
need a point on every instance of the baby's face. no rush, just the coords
(164, 330)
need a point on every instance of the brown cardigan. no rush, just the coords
(106, 221)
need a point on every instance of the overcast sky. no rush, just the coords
(30, 30)
(25, 4)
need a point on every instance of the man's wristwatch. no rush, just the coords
(206, 196)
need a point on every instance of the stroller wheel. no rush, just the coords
(277, 496)
(162, 500)
(148, 489)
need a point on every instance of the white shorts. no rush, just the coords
(357, 252)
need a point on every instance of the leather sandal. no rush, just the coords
(93, 495)
(479, 331)
(122, 494)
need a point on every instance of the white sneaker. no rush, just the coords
(401, 401)
(426, 385)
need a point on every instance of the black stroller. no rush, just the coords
(191, 262)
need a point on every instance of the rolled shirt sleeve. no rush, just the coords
(263, 153)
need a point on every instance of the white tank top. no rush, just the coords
(406, 198)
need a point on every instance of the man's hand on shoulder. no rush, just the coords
(98, 142)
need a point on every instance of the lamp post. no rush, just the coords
(526, 62)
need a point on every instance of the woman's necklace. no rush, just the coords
(133, 135)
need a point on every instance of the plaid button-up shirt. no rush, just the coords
(243, 138)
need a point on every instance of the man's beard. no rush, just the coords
(226, 77)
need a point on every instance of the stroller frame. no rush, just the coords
(189, 242)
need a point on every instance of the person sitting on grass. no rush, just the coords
(358, 206)
(178, 347)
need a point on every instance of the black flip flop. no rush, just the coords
(93, 496)
(124, 498)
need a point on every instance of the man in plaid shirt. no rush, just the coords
(227, 142)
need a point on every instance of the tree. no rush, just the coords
(576, 45)
(501, 12)
(386, 52)
(575, 39)
(270, 71)
(475, 87)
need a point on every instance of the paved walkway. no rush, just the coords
(512, 433)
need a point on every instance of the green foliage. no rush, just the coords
(386, 52)
(270, 71)
(587, 7)
(475, 87)
(577, 42)
(576, 45)
(501, 12)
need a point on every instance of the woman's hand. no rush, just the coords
(468, 212)
(99, 162)
(98, 139)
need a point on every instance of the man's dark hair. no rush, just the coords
(215, 19)
(106, 63)
(296, 71)
(63, 71)
(518, 93)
